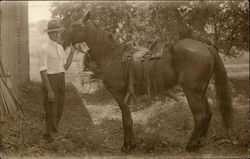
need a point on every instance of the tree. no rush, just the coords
(223, 23)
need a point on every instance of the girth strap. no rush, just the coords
(138, 78)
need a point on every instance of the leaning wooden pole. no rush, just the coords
(9, 104)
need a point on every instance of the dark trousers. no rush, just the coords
(54, 110)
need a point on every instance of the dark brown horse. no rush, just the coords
(188, 63)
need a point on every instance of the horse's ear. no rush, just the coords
(111, 37)
(86, 18)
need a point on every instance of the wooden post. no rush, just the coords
(14, 41)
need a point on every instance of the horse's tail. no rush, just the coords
(222, 88)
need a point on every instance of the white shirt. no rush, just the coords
(52, 57)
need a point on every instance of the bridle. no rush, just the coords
(96, 68)
(80, 50)
(90, 55)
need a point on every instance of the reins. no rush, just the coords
(91, 60)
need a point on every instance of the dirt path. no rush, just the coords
(164, 127)
(91, 126)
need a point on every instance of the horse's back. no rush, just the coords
(192, 60)
(192, 47)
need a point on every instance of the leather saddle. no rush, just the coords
(138, 53)
(136, 67)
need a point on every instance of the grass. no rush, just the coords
(165, 135)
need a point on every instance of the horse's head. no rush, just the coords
(74, 33)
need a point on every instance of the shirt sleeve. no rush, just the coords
(43, 58)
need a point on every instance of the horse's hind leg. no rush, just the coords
(206, 107)
(200, 116)
(208, 116)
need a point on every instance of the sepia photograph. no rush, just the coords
(124, 79)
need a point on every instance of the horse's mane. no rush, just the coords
(105, 37)
(102, 35)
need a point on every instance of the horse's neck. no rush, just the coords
(102, 50)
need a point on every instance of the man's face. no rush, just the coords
(54, 36)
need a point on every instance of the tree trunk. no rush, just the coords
(216, 34)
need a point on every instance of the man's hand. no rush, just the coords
(72, 48)
(51, 96)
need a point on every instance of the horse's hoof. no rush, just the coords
(128, 148)
(194, 147)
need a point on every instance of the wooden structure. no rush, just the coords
(14, 40)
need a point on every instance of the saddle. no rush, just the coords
(136, 64)
(138, 53)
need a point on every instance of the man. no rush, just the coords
(53, 63)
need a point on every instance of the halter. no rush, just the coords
(90, 55)
(86, 53)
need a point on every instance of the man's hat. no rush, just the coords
(53, 26)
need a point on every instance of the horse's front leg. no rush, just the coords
(129, 138)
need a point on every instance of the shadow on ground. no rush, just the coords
(164, 135)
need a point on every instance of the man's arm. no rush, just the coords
(45, 80)
(42, 57)
(69, 59)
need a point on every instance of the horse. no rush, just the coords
(188, 63)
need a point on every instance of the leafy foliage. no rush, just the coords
(223, 23)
